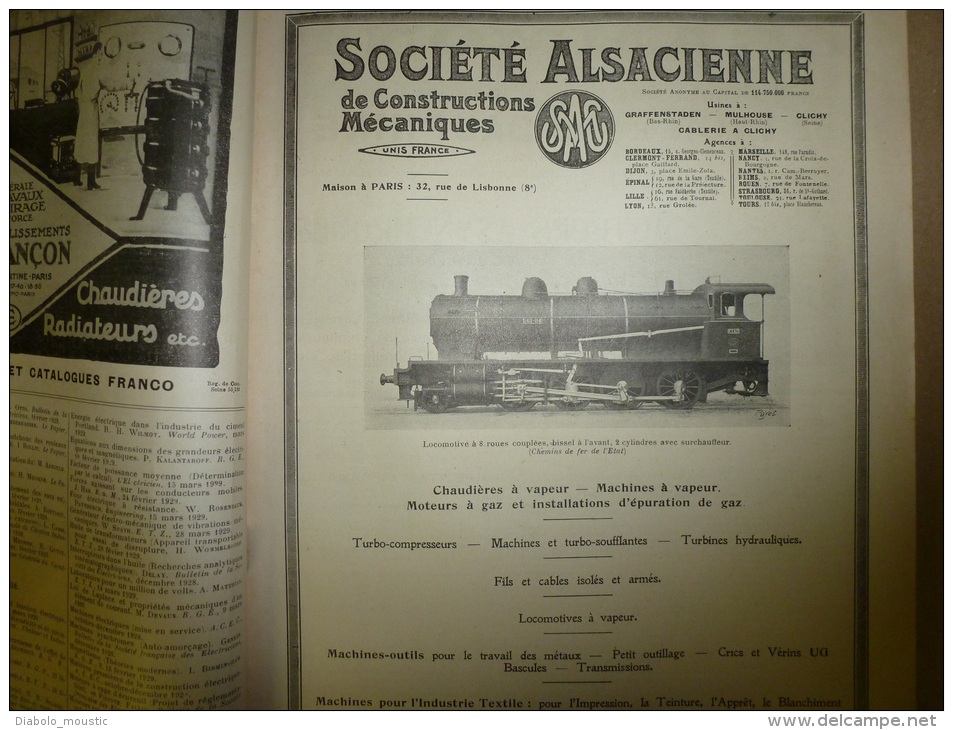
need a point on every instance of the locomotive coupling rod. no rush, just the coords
(598, 396)
(517, 371)
(551, 392)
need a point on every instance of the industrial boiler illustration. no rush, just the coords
(119, 131)
(589, 347)
(112, 112)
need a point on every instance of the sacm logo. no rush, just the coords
(575, 129)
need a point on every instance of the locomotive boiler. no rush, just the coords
(671, 348)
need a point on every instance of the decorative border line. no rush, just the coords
(855, 22)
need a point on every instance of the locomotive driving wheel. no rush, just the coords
(632, 391)
(435, 402)
(628, 378)
(567, 402)
(684, 382)
(749, 387)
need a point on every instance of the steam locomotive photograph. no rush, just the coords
(566, 345)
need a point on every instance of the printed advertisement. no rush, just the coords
(118, 158)
(127, 362)
(576, 334)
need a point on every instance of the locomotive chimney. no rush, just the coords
(460, 285)
(669, 286)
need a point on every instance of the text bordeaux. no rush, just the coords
(461, 62)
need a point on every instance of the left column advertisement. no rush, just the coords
(129, 170)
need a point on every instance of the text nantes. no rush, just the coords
(569, 64)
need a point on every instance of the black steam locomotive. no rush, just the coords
(621, 350)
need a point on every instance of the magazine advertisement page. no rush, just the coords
(578, 361)
(127, 359)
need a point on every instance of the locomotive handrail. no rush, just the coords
(646, 333)
(624, 293)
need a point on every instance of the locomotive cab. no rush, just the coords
(735, 334)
